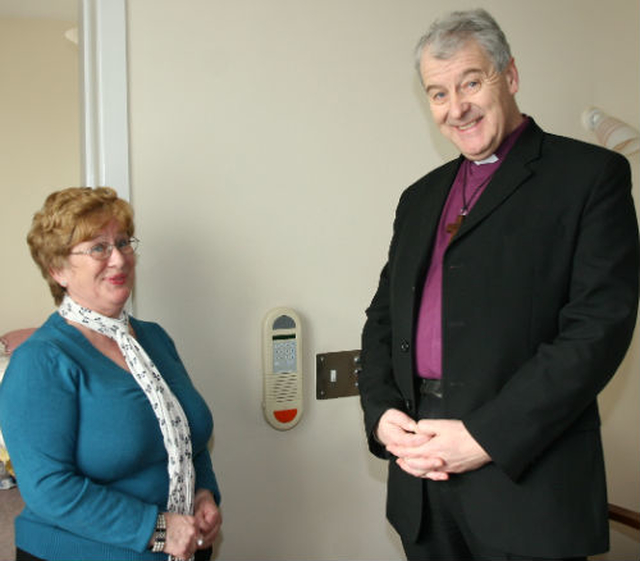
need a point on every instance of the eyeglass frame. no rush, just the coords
(131, 244)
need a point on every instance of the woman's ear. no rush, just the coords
(59, 276)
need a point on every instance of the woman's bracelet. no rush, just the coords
(160, 534)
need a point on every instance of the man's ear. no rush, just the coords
(512, 77)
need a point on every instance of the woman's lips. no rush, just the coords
(117, 279)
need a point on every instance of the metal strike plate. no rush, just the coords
(337, 374)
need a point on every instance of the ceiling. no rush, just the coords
(66, 10)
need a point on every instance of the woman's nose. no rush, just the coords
(116, 256)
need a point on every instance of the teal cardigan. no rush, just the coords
(86, 447)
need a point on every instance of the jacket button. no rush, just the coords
(409, 405)
(404, 346)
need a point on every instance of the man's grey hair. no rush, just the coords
(448, 34)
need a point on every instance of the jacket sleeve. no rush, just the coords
(561, 381)
(378, 389)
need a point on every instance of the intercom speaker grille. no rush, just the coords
(283, 388)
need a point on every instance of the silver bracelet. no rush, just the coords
(158, 541)
(160, 534)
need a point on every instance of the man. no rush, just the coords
(508, 301)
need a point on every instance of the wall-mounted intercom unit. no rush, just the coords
(282, 368)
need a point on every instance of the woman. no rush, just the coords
(107, 434)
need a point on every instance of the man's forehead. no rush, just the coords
(468, 59)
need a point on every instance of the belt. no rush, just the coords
(430, 386)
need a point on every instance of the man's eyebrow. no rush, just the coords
(462, 76)
(433, 87)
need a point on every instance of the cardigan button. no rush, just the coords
(404, 346)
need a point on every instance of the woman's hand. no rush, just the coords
(208, 518)
(182, 535)
(186, 534)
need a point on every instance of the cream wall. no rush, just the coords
(269, 144)
(39, 151)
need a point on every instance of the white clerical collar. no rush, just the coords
(490, 160)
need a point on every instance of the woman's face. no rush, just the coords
(102, 286)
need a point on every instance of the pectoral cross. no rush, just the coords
(453, 227)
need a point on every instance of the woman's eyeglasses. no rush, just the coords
(102, 251)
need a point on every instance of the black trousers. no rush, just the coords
(445, 534)
(21, 555)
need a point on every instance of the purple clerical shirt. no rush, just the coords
(473, 177)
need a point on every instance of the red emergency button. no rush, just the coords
(285, 415)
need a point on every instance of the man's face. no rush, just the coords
(472, 103)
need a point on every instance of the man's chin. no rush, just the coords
(472, 150)
(476, 156)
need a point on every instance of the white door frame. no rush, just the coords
(104, 94)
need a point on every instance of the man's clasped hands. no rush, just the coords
(430, 448)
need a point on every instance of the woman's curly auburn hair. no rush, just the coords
(69, 217)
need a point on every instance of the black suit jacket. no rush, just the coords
(540, 292)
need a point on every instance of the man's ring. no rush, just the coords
(200, 542)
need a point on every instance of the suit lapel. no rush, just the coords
(508, 178)
(428, 209)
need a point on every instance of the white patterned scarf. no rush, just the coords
(171, 418)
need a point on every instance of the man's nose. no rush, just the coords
(458, 106)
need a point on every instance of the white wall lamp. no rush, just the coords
(612, 133)
(72, 35)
